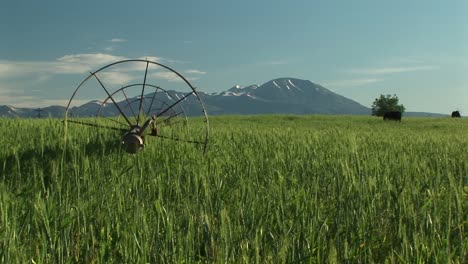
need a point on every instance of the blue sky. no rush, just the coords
(359, 49)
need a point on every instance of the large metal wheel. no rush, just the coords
(123, 96)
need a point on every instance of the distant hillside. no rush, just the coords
(423, 114)
(278, 96)
(283, 95)
(50, 111)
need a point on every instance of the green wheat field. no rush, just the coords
(270, 189)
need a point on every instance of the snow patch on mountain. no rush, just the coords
(276, 84)
(290, 82)
(228, 93)
(98, 102)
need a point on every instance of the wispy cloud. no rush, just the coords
(19, 78)
(406, 60)
(115, 78)
(170, 76)
(193, 71)
(274, 62)
(15, 96)
(176, 61)
(6, 90)
(28, 101)
(118, 40)
(18, 101)
(90, 58)
(68, 64)
(351, 82)
(390, 70)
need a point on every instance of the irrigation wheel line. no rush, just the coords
(167, 114)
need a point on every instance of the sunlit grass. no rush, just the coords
(312, 189)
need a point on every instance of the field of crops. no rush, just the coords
(279, 189)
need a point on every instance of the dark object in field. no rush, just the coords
(154, 128)
(395, 116)
(456, 114)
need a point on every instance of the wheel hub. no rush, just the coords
(132, 141)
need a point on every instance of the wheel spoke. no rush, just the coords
(130, 105)
(165, 110)
(171, 124)
(178, 101)
(96, 125)
(160, 108)
(113, 120)
(152, 100)
(113, 101)
(142, 93)
(169, 118)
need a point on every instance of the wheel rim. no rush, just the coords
(135, 103)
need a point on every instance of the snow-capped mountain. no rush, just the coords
(282, 95)
(9, 111)
(13, 112)
(238, 89)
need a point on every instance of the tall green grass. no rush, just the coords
(278, 189)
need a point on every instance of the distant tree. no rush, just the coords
(386, 103)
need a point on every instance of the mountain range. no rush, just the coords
(278, 96)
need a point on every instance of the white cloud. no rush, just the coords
(170, 76)
(14, 69)
(43, 78)
(90, 59)
(32, 102)
(19, 101)
(83, 64)
(5, 69)
(350, 82)
(170, 61)
(118, 40)
(389, 70)
(17, 76)
(115, 78)
(274, 63)
(9, 91)
(407, 60)
(15, 97)
(68, 64)
(194, 71)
